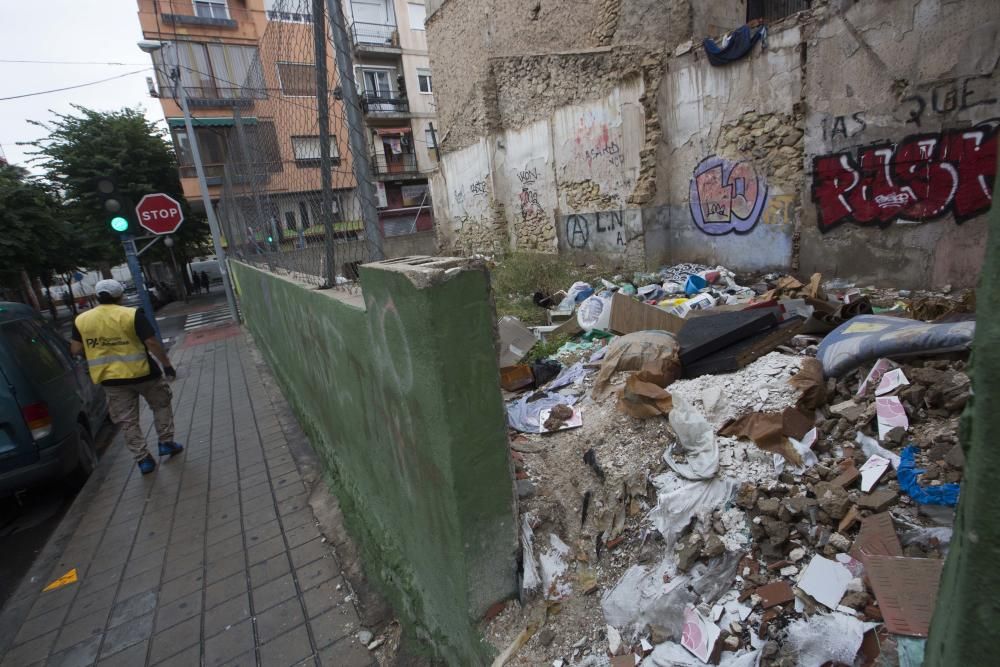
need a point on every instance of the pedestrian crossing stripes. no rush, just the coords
(209, 318)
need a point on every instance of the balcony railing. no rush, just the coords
(289, 17)
(374, 34)
(209, 96)
(190, 19)
(404, 163)
(774, 10)
(375, 103)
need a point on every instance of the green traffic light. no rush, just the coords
(270, 239)
(119, 224)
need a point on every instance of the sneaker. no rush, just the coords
(147, 465)
(170, 448)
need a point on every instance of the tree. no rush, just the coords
(126, 147)
(37, 241)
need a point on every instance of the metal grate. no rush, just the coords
(774, 10)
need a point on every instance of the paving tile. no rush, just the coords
(270, 569)
(229, 613)
(229, 644)
(179, 610)
(287, 649)
(329, 628)
(273, 592)
(127, 634)
(175, 639)
(266, 549)
(47, 602)
(325, 596)
(310, 551)
(225, 589)
(90, 625)
(300, 534)
(183, 565)
(279, 619)
(226, 567)
(316, 572)
(190, 657)
(181, 586)
(132, 656)
(347, 651)
(221, 550)
(140, 583)
(133, 607)
(150, 562)
(30, 651)
(41, 624)
(82, 654)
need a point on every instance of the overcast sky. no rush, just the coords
(73, 30)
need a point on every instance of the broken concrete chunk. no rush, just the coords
(832, 499)
(773, 594)
(800, 505)
(747, 496)
(879, 501)
(955, 457)
(713, 546)
(849, 410)
(768, 506)
(839, 542)
(849, 474)
(689, 552)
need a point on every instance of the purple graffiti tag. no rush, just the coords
(726, 196)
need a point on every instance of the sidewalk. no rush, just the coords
(215, 559)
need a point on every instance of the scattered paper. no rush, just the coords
(872, 471)
(700, 634)
(874, 377)
(891, 381)
(871, 447)
(825, 581)
(575, 421)
(555, 581)
(891, 414)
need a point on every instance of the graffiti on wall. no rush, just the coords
(921, 178)
(726, 196)
(589, 230)
(948, 97)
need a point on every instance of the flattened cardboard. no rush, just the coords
(629, 315)
(876, 538)
(516, 340)
(906, 590)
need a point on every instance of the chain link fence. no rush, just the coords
(297, 197)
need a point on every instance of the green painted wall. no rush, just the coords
(966, 624)
(398, 390)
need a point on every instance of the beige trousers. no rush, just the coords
(123, 404)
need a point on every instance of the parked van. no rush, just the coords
(50, 411)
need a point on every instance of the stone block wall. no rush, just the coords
(398, 390)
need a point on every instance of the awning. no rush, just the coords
(211, 122)
(382, 131)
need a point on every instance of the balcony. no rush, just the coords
(216, 96)
(192, 20)
(375, 37)
(394, 166)
(374, 103)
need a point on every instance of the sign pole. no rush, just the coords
(132, 257)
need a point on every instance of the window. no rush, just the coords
(418, 13)
(304, 213)
(212, 71)
(211, 9)
(429, 138)
(38, 361)
(290, 221)
(424, 81)
(284, 10)
(308, 148)
(297, 79)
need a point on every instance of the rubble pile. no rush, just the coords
(767, 481)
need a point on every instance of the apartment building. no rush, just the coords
(395, 85)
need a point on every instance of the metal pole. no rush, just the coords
(213, 223)
(434, 138)
(355, 127)
(132, 258)
(323, 113)
(177, 274)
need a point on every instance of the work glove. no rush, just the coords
(170, 373)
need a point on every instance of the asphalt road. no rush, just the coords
(27, 520)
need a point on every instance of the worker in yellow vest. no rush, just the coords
(119, 344)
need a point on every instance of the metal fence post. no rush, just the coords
(323, 113)
(355, 127)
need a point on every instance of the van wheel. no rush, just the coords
(86, 454)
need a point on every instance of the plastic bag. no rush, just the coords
(696, 438)
(826, 638)
(594, 313)
(679, 501)
(945, 494)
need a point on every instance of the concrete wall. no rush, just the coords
(861, 142)
(398, 390)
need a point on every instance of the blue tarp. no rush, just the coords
(735, 45)
(945, 494)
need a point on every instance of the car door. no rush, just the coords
(49, 379)
(17, 447)
(91, 395)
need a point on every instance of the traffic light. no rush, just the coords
(116, 207)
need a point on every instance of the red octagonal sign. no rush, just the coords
(159, 213)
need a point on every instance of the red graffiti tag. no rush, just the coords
(922, 178)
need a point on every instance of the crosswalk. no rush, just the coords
(209, 318)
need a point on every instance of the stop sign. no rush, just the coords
(159, 213)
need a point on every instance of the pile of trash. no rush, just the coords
(715, 474)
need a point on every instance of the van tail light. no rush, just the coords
(38, 419)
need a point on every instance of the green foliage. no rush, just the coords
(126, 147)
(544, 349)
(36, 238)
(519, 275)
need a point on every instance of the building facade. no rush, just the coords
(247, 68)
(857, 139)
(395, 85)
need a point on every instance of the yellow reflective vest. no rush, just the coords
(114, 351)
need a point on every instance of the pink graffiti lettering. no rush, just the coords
(922, 178)
(726, 197)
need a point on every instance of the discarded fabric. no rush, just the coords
(946, 494)
(734, 46)
(695, 437)
(523, 414)
(679, 501)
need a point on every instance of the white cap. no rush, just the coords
(112, 288)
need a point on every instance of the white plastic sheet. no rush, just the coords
(826, 637)
(670, 654)
(679, 501)
(696, 438)
(871, 447)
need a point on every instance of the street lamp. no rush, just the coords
(151, 47)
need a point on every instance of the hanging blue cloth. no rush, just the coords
(945, 494)
(735, 45)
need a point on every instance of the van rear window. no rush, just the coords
(37, 360)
